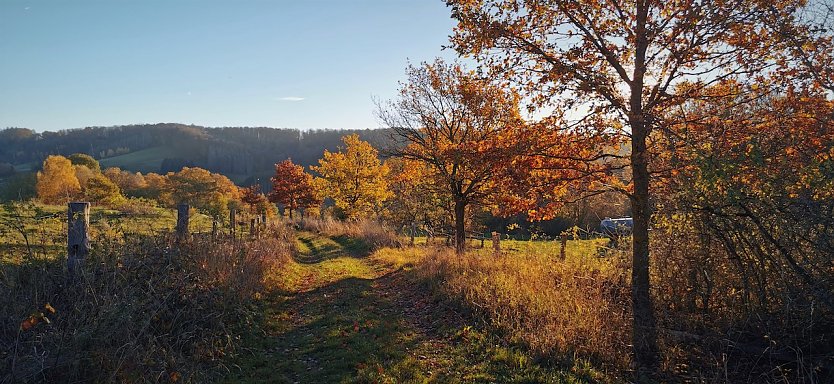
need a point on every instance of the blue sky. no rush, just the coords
(297, 64)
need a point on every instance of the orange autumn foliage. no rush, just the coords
(293, 187)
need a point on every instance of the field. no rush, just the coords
(320, 301)
(40, 230)
(146, 160)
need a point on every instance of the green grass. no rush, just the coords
(145, 160)
(340, 315)
(585, 249)
(150, 160)
(44, 227)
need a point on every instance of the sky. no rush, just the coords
(309, 64)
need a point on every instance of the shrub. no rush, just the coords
(738, 313)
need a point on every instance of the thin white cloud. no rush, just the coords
(291, 98)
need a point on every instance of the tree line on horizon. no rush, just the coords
(247, 151)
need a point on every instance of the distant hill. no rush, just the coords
(242, 153)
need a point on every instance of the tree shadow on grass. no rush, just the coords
(385, 329)
(326, 335)
(317, 251)
(353, 246)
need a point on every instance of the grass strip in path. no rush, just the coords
(339, 316)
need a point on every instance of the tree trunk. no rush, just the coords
(644, 331)
(644, 326)
(460, 227)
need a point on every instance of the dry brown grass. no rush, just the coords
(145, 310)
(373, 233)
(573, 309)
(579, 309)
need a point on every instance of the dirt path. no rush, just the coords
(346, 318)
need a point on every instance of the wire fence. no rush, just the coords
(31, 230)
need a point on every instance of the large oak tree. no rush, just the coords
(461, 126)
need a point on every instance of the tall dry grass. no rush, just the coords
(373, 233)
(713, 326)
(566, 310)
(144, 310)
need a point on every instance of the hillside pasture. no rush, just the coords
(145, 160)
(40, 231)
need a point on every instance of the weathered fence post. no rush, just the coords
(78, 241)
(214, 229)
(182, 221)
(564, 239)
(496, 242)
(232, 221)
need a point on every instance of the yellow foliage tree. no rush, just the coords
(354, 178)
(57, 183)
(209, 192)
(83, 174)
(101, 190)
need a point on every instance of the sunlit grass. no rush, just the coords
(39, 231)
(340, 315)
(575, 311)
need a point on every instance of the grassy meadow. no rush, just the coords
(343, 310)
(145, 160)
(38, 230)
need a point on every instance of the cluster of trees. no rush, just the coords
(718, 114)
(79, 176)
(354, 181)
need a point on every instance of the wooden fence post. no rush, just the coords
(182, 221)
(496, 242)
(214, 229)
(78, 240)
(564, 239)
